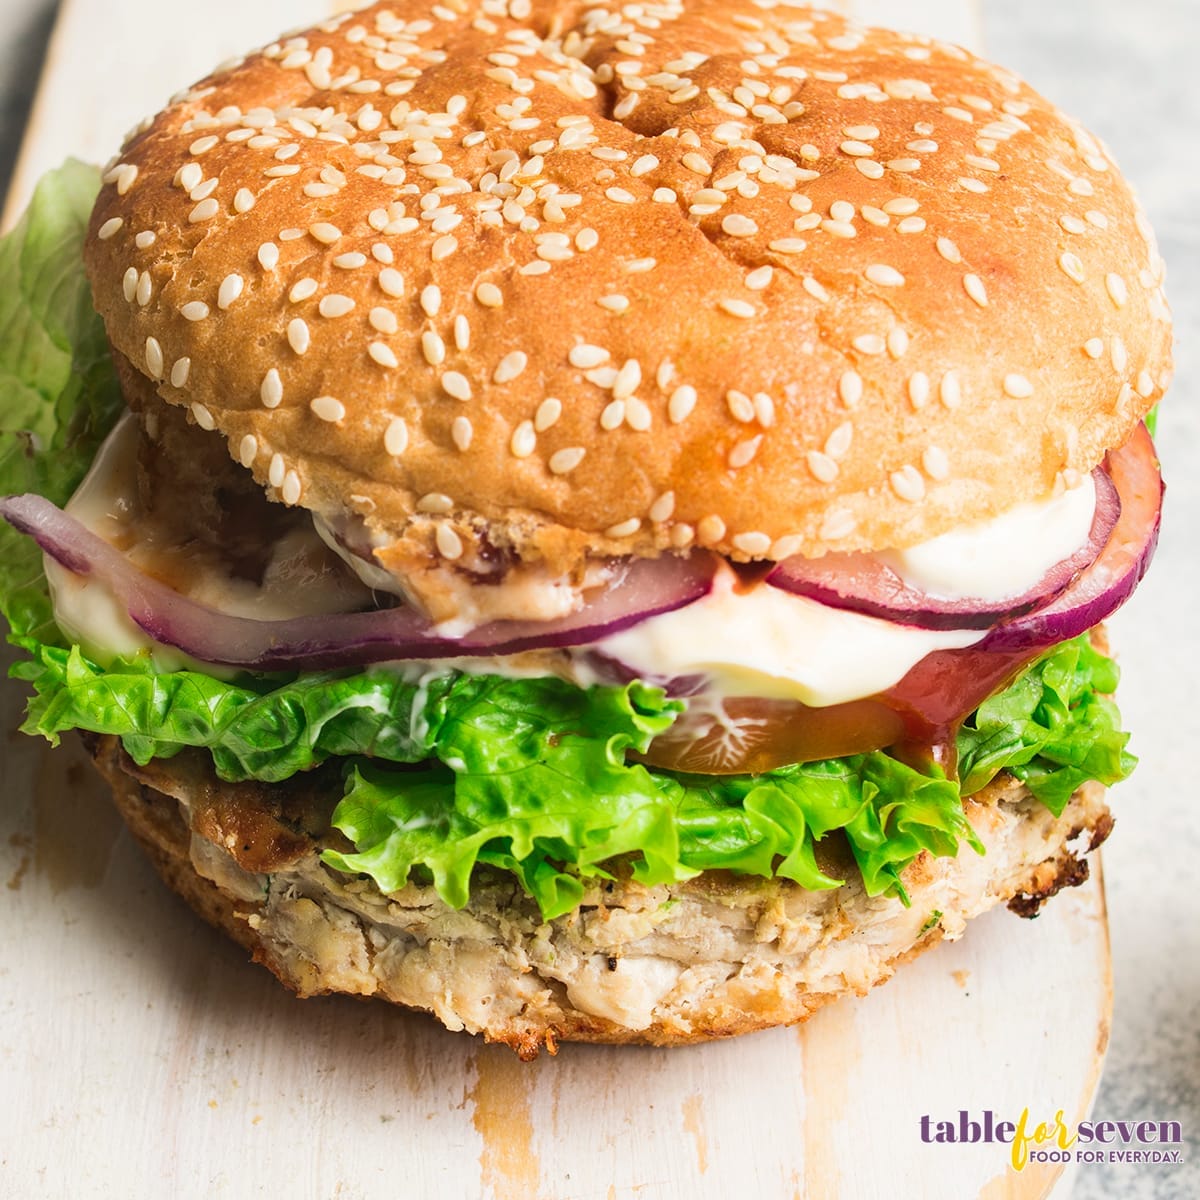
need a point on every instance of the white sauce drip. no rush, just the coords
(1001, 558)
(767, 642)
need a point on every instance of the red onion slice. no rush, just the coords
(645, 588)
(862, 583)
(1111, 579)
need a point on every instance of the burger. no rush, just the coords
(593, 523)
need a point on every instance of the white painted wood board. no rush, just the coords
(141, 1054)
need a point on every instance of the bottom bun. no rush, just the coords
(715, 956)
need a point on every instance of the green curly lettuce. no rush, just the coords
(59, 396)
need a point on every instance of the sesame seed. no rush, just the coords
(637, 414)
(1071, 223)
(897, 342)
(620, 196)
(911, 225)
(759, 278)
(1145, 384)
(433, 348)
(614, 303)
(975, 289)
(489, 295)
(613, 415)
(744, 451)
(681, 403)
(110, 228)
(663, 508)
(290, 491)
(1072, 266)
(202, 416)
(869, 343)
(154, 358)
(736, 308)
(276, 470)
(908, 484)
(822, 466)
(243, 200)
(204, 211)
(1118, 292)
(627, 380)
(884, 276)
(624, 529)
(303, 289)
(838, 524)
(194, 310)
(918, 389)
(180, 372)
(431, 299)
(587, 239)
(395, 437)
(752, 543)
(462, 332)
(461, 432)
(230, 290)
(328, 408)
(710, 529)
(298, 336)
(564, 461)
(248, 450)
(443, 247)
(391, 282)
(736, 225)
(950, 390)
(696, 163)
(841, 229)
(524, 440)
(1119, 355)
(850, 388)
(1017, 386)
(268, 256)
(456, 385)
(948, 250)
(435, 502)
(350, 261)
(586, 356)
(145, 239)
(271, 391)
(838, 443)
(741, 407)
(936, 464)
(449, 544)
(1094, 347)
(510, 367)
(324, 232)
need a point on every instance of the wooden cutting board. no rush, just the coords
(141, 1054)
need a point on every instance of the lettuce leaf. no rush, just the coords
(1054, 728)
(59, 396)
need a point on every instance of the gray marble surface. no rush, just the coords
(1127, 69)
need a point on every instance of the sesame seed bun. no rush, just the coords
(569, 283)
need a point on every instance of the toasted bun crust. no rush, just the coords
(713, 957)
(590, 280)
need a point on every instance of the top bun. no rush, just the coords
(563, 280)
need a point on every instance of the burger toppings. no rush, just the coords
(701, 697)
